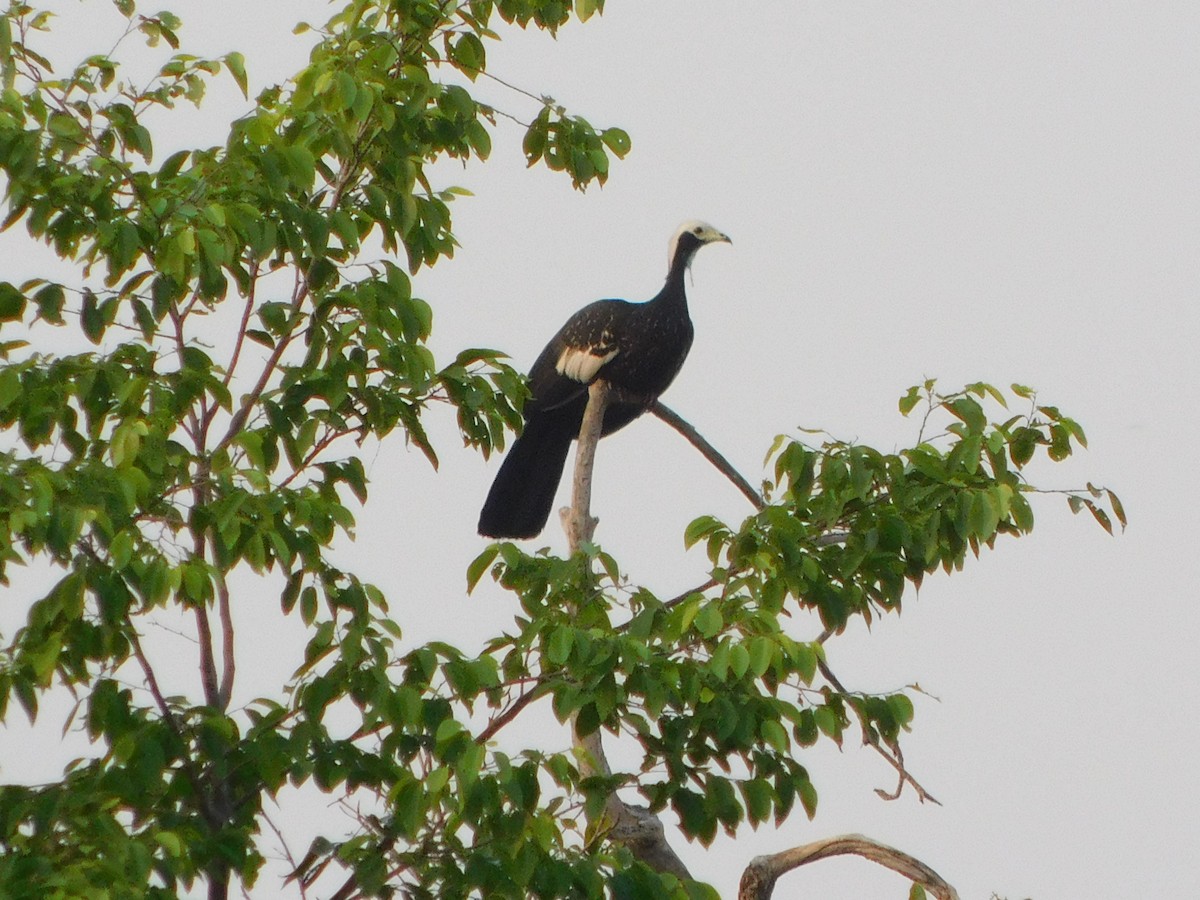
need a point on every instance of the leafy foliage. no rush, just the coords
(163, 456)
(716, 692)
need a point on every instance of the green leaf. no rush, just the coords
(911, 398)
(969, 411)
(808, 796)
(479, 565)
(469, 55)
(699, 529)
(616, 140)
(762, 653)
(759, 800)
(804, 661)
(237, 68)
(1117, 508)
(775, 735)
(50, 301)
(66, 127)
(308, 605)
(170, 842)
(718, 663)
(121, 550)
(709, 620)
(91, 318)
(901, 708)
(12, 302)
(562, 639)
(827, 721)
(739, 660)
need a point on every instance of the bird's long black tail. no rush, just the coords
(519, 502)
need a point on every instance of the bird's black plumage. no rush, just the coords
(638, 348)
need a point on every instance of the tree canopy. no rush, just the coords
(240, 324)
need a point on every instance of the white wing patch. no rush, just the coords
(582, 363)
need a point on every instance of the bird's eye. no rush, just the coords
(697, 229)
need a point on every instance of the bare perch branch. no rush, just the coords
(578, 520)
(634, 827)
(759, 877)
(707, 450)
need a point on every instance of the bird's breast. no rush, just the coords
(650, 355)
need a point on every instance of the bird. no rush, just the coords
(637, 348)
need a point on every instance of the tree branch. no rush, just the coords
(210, 816)
(577, 520)
(634, 827)
(508, 714)
(208, 664)
(759, 877)
(247, 311)
(250, 400)
(708, 451)
(892, 755)
(228, 661)
(350, 170)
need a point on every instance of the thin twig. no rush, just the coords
(507, 716)
(892, 757)
(250, 400)
(283, 845)
(245, 324)
(300, 293)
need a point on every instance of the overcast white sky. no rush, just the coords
(1007, 192)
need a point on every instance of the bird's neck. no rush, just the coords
(673, 293)
(673, 290)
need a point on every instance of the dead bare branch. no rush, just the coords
(759, 878)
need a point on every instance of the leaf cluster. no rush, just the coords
(244, 331)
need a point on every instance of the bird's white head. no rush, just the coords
(690, 237)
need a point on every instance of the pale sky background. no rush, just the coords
(1006, 192)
